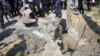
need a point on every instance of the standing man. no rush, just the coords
(80, 6)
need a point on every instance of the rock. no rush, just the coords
(67, 54)
(51, 49)
(38, 41)
(33, 41)
(74, 33)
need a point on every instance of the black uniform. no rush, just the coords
(80, 6)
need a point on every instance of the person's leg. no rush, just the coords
(79, 7)
(14, 10)
(12, 14)
(56, 11)
(2, 22)
(88, 5)
(46, 9)
(62, 3)
(65, 4)
(82, 9)
(52, 6)
(48, 6)
(6, 17)
(41, 12)
(59, 10)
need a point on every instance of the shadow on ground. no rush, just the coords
(10, 23)
(31, 24)
(5, 33)
(17, 49)
(93, 25)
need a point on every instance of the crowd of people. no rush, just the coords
(9, 7)
(39, 8)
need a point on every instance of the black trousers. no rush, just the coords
(88, 5)
(64, 4)
(81, 9)
(1, 21)
(51, 6)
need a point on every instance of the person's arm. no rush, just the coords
(60, 32)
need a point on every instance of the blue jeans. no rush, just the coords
(58, 8)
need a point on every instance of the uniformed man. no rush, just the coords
(51, 5)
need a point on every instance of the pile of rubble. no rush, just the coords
(38, 40)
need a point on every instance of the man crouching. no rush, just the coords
(68, 41)
(28, 16)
